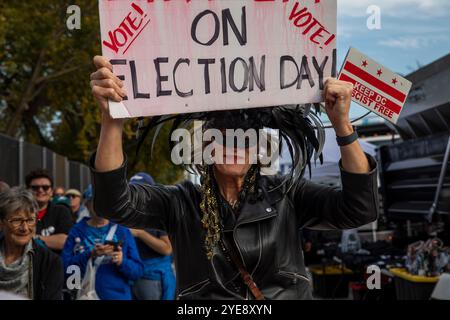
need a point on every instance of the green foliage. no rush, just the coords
(45, 94)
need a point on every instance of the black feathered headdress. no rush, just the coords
(300, 129)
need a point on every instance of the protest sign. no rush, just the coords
(375, 87)
(180, 56)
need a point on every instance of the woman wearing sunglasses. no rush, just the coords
(235, 236)
(27, 268)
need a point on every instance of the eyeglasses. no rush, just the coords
(36, 188)
(70, 196)
(16, 223)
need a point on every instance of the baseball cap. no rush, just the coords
(73, 192)
(142, 178)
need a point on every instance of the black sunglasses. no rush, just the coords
(237, 143)
(37, 187)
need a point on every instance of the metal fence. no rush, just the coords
(17, 158)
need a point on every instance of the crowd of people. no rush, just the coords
(235, 235)
(46, 232)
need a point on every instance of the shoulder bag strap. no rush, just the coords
(246, 277)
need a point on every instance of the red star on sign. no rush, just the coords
(379, 72)
(394, 81)
(364, 63)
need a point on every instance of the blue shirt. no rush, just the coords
(112, 282)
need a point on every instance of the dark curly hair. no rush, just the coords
(37, 174)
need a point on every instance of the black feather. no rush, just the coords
(297, 127)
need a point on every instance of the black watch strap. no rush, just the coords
(343, 141)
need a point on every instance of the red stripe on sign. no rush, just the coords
(370, 79)
(388, 103)
(137, 35)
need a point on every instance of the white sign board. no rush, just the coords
(180, 56)
(375, 87)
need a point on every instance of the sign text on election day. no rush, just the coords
(189, 56)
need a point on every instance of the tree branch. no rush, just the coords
(56, 74)
(16, 119)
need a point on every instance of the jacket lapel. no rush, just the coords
(264, 207)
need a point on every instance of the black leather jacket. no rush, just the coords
(266, 232)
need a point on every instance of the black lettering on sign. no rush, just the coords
(333, 65)
(232, 75)
(227, 22)
(160, 78)
(180, 93)
(305, 74)
(223, 75)
(207, 62)
(320, 70)
(283, 61)
(216, 28)
(136, 93)
(260, 79)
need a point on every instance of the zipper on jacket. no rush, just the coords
(241, 224)
(31, 292)
(259, 256)
(240, 254)
(293, 275)
(200, 284)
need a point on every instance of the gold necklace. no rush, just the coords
(210, 209)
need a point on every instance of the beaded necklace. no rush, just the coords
(210, 205)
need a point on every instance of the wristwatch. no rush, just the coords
(343, 141)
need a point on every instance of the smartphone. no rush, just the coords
(115, 244)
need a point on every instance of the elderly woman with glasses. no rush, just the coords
(27, 267)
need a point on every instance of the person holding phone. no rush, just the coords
(155, 249)
(120, 261)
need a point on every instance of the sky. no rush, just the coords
(413, 33)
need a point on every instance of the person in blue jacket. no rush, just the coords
(155, 249)
(120, 265)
